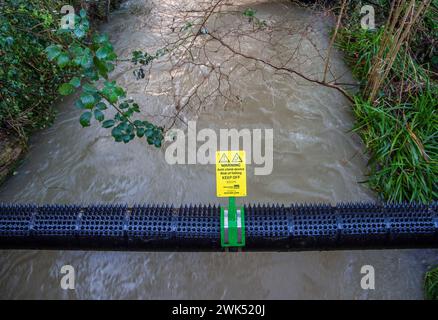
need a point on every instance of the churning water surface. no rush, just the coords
(316, 159)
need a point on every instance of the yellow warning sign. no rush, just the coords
(230, 174)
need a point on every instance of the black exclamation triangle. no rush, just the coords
(224, 158)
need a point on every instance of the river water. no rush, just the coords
(316, 159)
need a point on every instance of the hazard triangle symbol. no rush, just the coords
(236, 158)
(224, 159)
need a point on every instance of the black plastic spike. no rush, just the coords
(197, 227)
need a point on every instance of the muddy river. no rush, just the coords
(315, 159)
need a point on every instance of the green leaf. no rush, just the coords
(66, 89)
(108, 123)
(138, 123)
(112, 98)
(98, 115)
(109, 91)
(79, 32)
(157, 142)
(135, 107)
(249, 12)
(128, 113)
(140, 132)
(117, 133)
(91, 74)
(101, 67)
(52, 52)
(101, 106)
(111, 56)
(86, 60)
(89, 88)
(123, 126)
(63, 59)
(119, 91)
(88, 100)
(85, 119)
(149, 132)
(75, 82)
(123, 105)
(85, 24)
(76, 49)
(83, 13)
(101, 38)
(103, 52)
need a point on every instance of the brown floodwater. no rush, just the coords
(316, 159)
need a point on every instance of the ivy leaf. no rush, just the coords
(108, 123)
(85, 119)
(75, 82)
(63, 59)
(98, 115)
(103, 52)
(52, 52)
(66, 89)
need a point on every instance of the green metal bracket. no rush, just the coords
(232, 225)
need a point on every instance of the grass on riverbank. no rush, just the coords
(400, 126)
(431, 284)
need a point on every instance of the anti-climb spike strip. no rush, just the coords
(198, 227)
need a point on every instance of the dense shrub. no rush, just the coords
(28, 81)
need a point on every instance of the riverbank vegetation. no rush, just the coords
(431, 284)
(396, 108)
(29, 81)
(40, 61)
